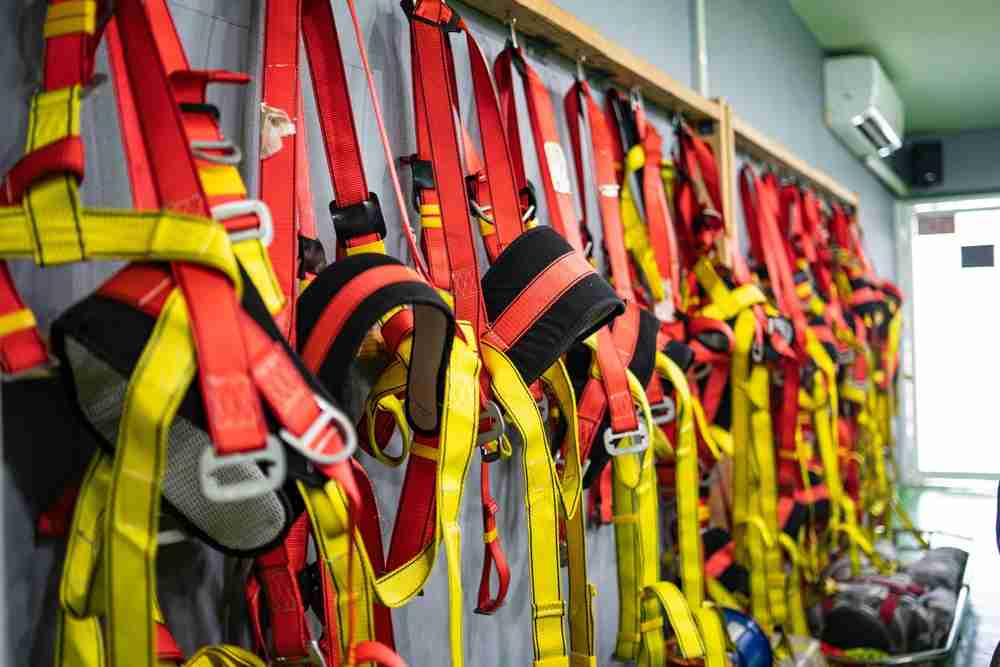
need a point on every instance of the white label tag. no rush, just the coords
(557, 167)
(664, 310)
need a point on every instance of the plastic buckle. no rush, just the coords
(494, 434)
(315, 658)
(359, 219)
(231, 156)
(610, 438)
(309, 444)
(664, 412)
(212, 463)
(265, 227)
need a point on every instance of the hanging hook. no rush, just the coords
(581, 75)
(635, 98)
(512, 23)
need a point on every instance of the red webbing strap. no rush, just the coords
(69, 59)
(698, 235)
(809, 207)
(438, 142)
(278, 573)
(854, 229)
(816, 231)
(303, 184)
(615, 348)
(140, 177)
(497, 161)
(333, 107)
(761, 220)
(167, 649)
(232, 407)
(790, 217)
(580, 108)
(493, 556)
(279, 172)
(551, 160)
(662, 236)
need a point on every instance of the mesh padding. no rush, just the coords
(241, 526)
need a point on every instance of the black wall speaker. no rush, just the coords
(925, 164)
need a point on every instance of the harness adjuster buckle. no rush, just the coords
(271, 459)
(231, 154)
(314, 658)
(310, 444)
(361, 219)
(640, 434)
(496, 431)
(663, 412)
(264, 231)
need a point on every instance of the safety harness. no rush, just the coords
(539, 296)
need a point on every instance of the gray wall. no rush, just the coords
(761, 58)
(969, 162)
(766, 63)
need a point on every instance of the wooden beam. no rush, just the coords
(763, 148)
(543, 21)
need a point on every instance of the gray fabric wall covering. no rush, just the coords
(197, 585)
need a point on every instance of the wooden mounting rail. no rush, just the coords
(543, 21)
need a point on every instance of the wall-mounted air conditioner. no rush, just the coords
(862, 106)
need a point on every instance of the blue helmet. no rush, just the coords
(752, 647)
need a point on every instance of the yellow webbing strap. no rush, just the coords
(47, 238)
(66, 18)
(664, 597)
(686, 484)
(721, 595)
(328, 508)
(634, 229)
(796, 607)
(51, 226)
(754, 478)
(713, 635)
(329, 511)
(223, 656)
(384, 397)
(17, 321)
(637, 542)
(582, 635)
(544, 496)
(155, 390)
(79, 641)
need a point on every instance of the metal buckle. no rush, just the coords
(494, 434)
(34, 373)
(274, 472)
(234, 209)
(610, 437)
(757, 352)
(307, 443)
(782, 327)
(232, 157)
(315, 658)
(664, 412)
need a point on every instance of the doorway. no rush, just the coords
(951, 358)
